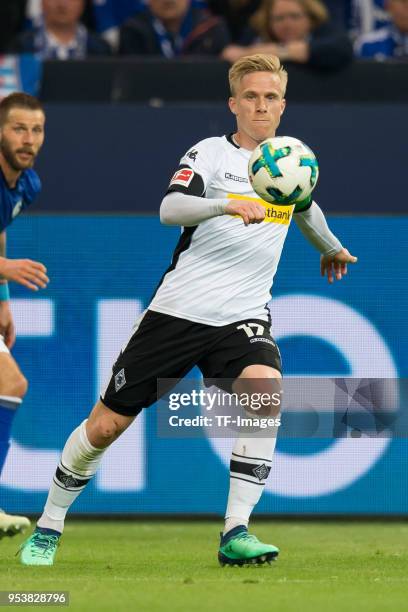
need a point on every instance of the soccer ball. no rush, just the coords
(283, 170)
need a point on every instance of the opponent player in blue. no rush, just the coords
(22, 121)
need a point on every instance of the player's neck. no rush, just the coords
(9, 173)
(244, 141)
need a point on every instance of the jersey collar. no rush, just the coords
(232, 141)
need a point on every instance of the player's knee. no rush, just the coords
(259, 372)
(260, 386)
(15, 386)
(22, 386)
(104, 426)
(104, 431)
(266, 403)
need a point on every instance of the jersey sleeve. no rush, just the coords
(195, 171)
(32, 186)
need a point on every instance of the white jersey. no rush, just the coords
(222, 271)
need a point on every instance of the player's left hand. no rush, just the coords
(335, 266)
(7, 329)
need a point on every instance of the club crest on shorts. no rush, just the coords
(120, 380)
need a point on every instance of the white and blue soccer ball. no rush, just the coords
(283, 170)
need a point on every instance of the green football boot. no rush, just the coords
(238, 547)
(11, 525)
(40, 548)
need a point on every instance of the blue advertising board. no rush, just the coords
(103, 270)
(120, 158)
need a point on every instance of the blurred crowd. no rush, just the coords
(325, 35)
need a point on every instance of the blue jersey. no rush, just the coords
(14, 201)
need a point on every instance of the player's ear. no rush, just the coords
(283, 106)
(232, 103)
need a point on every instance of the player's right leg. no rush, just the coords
(161, 347)
(132, 386)
(79, 462)
(13, 387)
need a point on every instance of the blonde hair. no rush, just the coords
(256, 63)
(314, 9)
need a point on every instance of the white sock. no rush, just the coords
(249, 468)
(79, 462)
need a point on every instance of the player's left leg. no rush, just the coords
(249, 468)
(13, 387)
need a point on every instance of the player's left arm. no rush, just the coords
(7, 329)
(313, 225)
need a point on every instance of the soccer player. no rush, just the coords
(205, 311)
(21, 137)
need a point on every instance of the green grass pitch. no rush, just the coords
(172, 567)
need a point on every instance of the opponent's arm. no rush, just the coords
(31, 274)
(7, 329)
(3, 279)
(188, 210)
(2, 253)
(334, 257)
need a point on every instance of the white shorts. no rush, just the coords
(3, 347)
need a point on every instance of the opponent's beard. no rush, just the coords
(11, 157)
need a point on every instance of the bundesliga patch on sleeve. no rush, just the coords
(182, 177)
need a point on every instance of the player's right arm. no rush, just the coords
(31, 274)
(251, 212)
(188, 210)
(185, 202)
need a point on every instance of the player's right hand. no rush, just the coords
(251, 212)
(31, 274)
